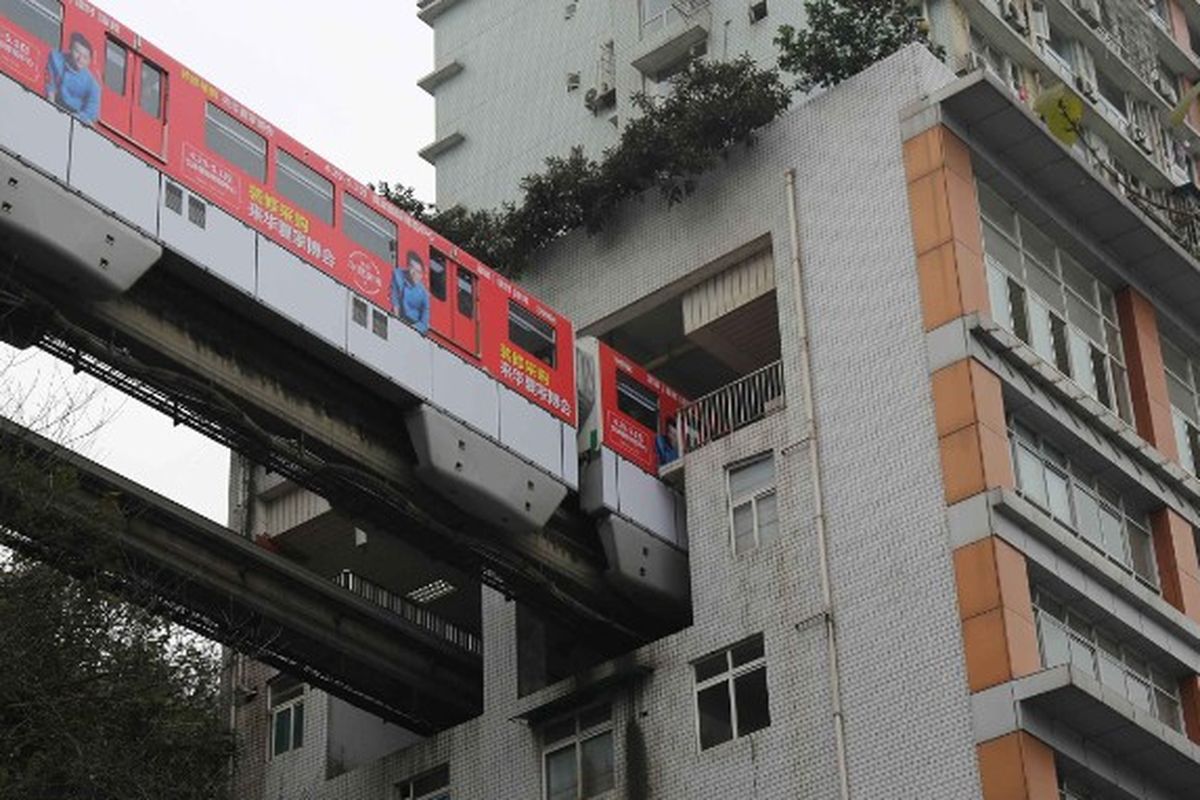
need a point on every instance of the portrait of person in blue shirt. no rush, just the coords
(69, 83)
(410, 299)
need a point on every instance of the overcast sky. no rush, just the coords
(340, 78)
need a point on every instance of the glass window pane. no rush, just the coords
(747, 651)
(42, 18)
(301, 184)
(998, 296)
(235, 142)
(558, 731)
(283, 730)
(1083, 657)
(716, 722)
(1113, 533)
(1020, 314)
(561, 780)
(712, 666)
(768, 518)
(369, 228)
(995, 210)
(592, 717)
(1054, 641)
(751, 477)
(1086, 318)
(1081, 361)
(743, 528)
(116, 61)
(1031, 475)
(1141, 552)
(150, 91)
(1041, 337)
(531, 333)
(1037, 245)
(635, 399)
(1166, 708)
(1112, 673)
(997, 246)
(1181, 396)
(596, 761)
(750, 696)
(1058, 493)
(1077, 278)
(437, 274)
(466, 292)
(1045, 286)
(1138, 692)
(1175, 359)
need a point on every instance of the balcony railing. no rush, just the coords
(731, 407)
(421, 617)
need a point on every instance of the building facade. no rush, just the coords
(955, 555)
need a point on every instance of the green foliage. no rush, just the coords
(844, 37)
(100, 700)
(712, 107)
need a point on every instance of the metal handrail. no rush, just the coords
(731, 407)
(417, 615)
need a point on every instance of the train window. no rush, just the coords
(531, 333)
(151, 90)
(437, 274)
(359, 312)
(369, 228)
(235, 142)
(466, 293)
(302, 185)
(636, 400)
(42, 18)
(116, 65)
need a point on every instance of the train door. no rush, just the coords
(439, 280)
(134, 97)
(465, 324)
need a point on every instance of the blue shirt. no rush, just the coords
(74, 90)
(410, 300)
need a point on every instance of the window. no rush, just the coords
(656, 13)
(369, 228)
(466, 292)
(437, 274)
(303, 186)
(1112, 96)
(636, 400)
(116, 64)
(1066, 635)
(1048, 300)
(235, 142)
(577, 755)
(531, 333)
(287, 715)
(758, 11)
(1183, 387)
(42, 18)
(174, 197)
(432, 785)
(1088, 508)
(753, 510)
(731, 693)
(197, 212)
(151, 91)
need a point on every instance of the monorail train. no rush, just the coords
(86, 78)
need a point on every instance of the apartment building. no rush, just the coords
(952, 553)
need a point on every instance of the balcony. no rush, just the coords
(732, 407)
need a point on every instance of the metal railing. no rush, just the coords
(731, 407)
(421, 617)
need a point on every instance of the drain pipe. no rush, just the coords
(818, 496)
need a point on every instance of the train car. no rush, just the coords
(125, 89)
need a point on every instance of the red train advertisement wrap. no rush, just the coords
(633, 407)
(111, 79)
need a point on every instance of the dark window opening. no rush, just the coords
(731, 693)
(437, 274)
(303, 186)
(369, 228)
(235, 142)
(531, 333)
(151, 90)
(116, 63)
(359, 312)
(466, 293)
(758, 11)
(197, 212)
(379, 324)
(42, 18)
(174, 198)
(637, 401)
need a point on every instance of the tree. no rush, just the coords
(101, 699)
(713, 106)
(844, 37)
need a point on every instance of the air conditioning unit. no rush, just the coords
(1090, 11)
(1086, 87)
(599, 98)
(1165, 87)
(1015, 17)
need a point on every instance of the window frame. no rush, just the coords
(753, 497)
(638, 392)
(531, 322)
(407, 789)
(321, 205)
(1186, 422)
(236, 132)
(351, 211)
(575, 741)
(292, 703)
(729, 675)
(38, 9)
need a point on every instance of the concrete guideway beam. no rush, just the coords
(89, 521)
